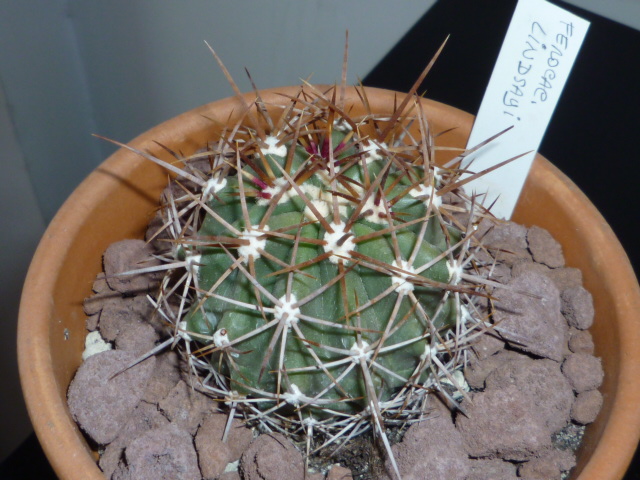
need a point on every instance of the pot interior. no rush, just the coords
(118, 200)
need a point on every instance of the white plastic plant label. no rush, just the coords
(535, 60)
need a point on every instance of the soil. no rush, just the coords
(532, 381)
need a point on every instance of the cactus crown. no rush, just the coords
(320, 272)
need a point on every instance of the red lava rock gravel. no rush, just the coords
(580, 341)
(442, 455)
(528, 316)
(541, 380)
(103, 406)
(577, 307)
(494, 469)
(185, 407)
(506, 241)
(548, 465)
(145, 417)
(586, 407)
(503, 422)
(272, 457)
(584, 371)
(165, 453)
(166, 376)
(214, 454)
(338, 472)
(528, 380)
(129, 255)
(544, 248)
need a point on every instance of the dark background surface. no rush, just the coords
(592, 133)
(590, 137)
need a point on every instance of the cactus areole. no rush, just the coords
(321, 265)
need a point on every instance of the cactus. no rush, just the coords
(327, 268)
(320, 273)
(327, 260)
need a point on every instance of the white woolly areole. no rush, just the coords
(377, 213)
(255, 243)
(94, 343)
(428, 352)
(332, 240)
(295, 397)
(322, 201)
(272, 147)
(455, 272)
(221, 338)
(279, 184)
(310, 422)
(182, 331)
(427, 191)
(371, 151)
(287, 308)
(193, 263)
(342, 126)
(399, 279)
(360, 352)
(233, 396)
(213, 186)
(437, 176)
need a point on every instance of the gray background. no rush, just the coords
(69, 68)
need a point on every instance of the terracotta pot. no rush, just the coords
(117, 201)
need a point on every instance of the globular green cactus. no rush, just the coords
(320, 266)
(321, 252)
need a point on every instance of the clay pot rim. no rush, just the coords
(50, 416)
